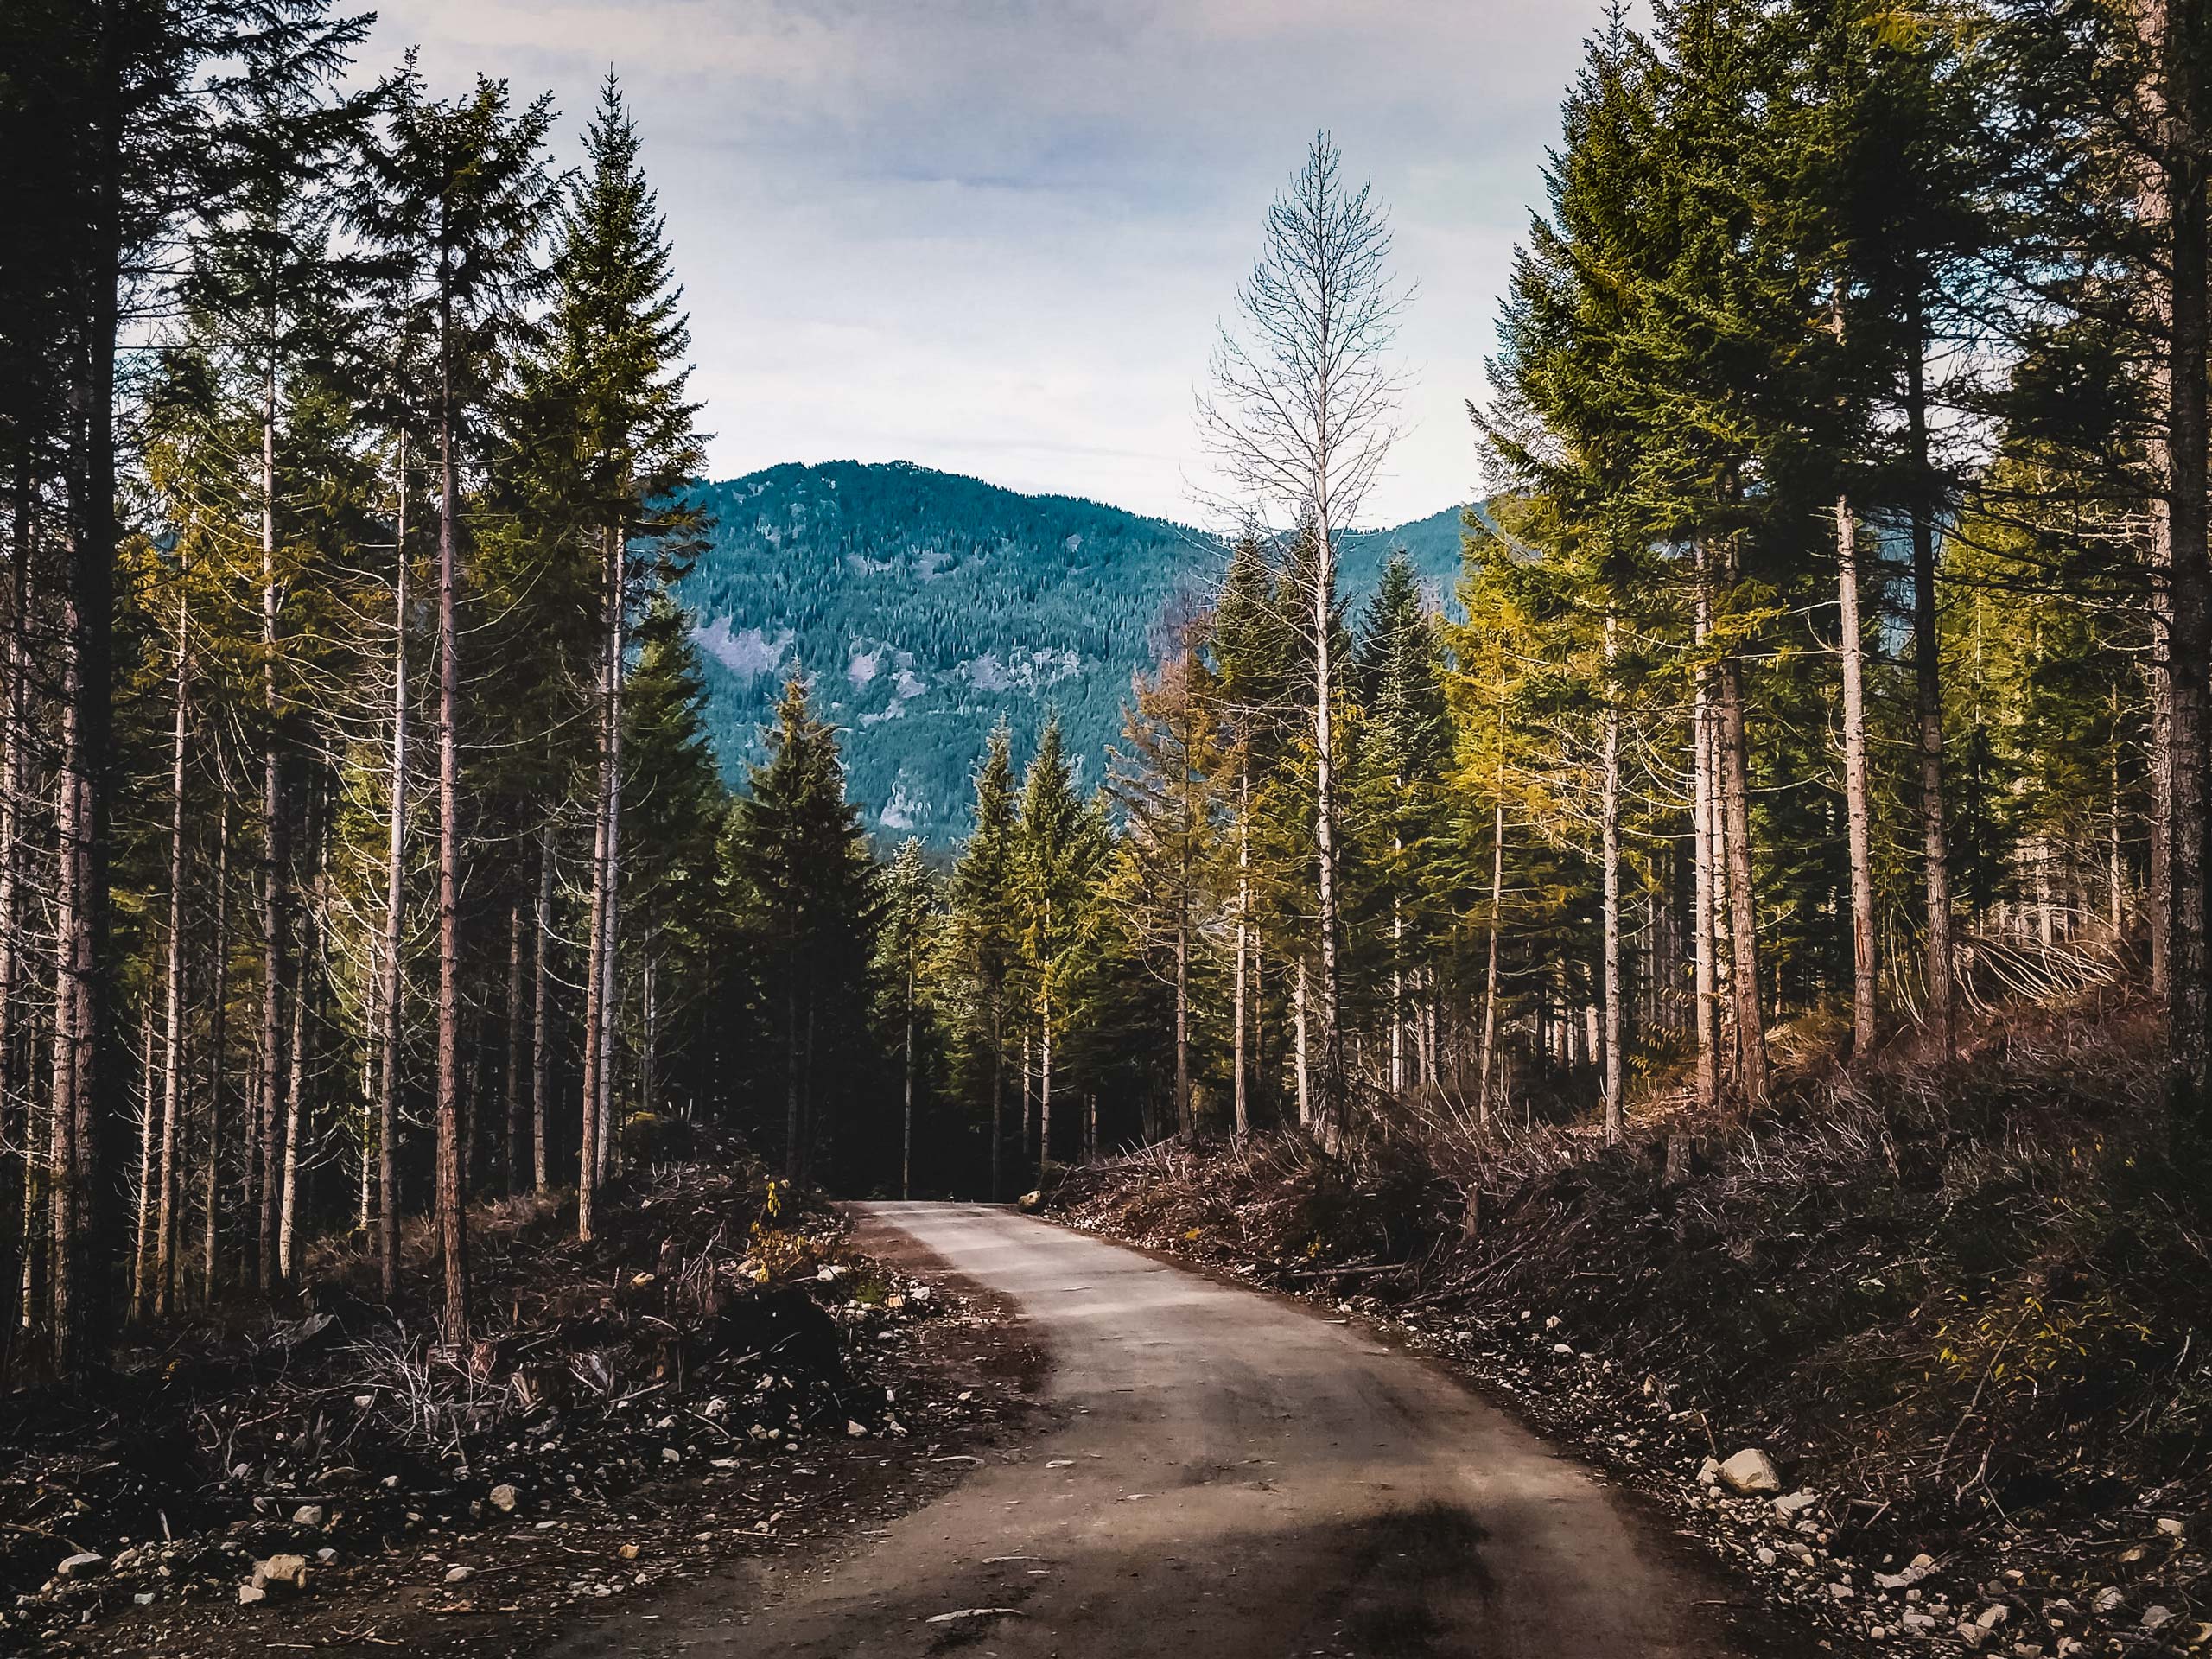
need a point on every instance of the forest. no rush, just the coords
(923, 606)
(1826, 671)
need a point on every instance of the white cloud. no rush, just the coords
(996, 237)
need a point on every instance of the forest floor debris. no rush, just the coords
(1922, 1350)
(719, 1376)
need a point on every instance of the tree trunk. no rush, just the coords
(1301, 1057)
(1859, 811)
(1045, 1072)
(1743, 900)
(1239, 1101)
(218, 1048)
(609, 1001)
(66, 1195)
(142, 1255)
(1331, 1104)
(540, 1048)
(287, 1205)
(1928, 691)
(1489, 976)
(173, 990)
(1703, 918)
(998, 1093)
(513, 1079)
(452, 1221)
(1183, 1117)
(1613, 1079)
(275, 921)
(392, 983)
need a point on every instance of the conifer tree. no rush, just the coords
(807, 892)
(458, 207)
(985, 925)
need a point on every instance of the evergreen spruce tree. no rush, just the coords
(985, 929)
(458, 207)
(810, 903)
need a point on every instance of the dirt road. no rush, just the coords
(1225, 1475)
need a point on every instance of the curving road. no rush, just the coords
(1231, 1475)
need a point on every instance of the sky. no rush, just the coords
(997, 236)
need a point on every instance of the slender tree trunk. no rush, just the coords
(1302, 1058)
(1045, 1074)
(1183, 1115)
(142, 1255)
(391, 984)
(1858, 808)
(217, 1051)
(275, 919)
(514, 1079)
(2116, 851)
(173, 996)
(1742, 898)
(609, 1001)
(1489, 974)
(452, 1221)
(66, 1195)
(540, 1047)
(1240, 1103)
(1397, 979)
(906, 1143)
(1614, 1078)
(1704, 907)
(1929, 692)
(18, 1257)
(287, 1205)
(1331, 1104)
(998, 1093)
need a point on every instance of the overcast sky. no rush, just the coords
(996, 237)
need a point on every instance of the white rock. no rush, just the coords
(2170, 1527)
(1752, 1471)
(307, 1515)
(83, 1565)
(249, 1593)
(505, 1499)
(857, 1431)
(2108, 1598)
(1795, 1503)
(460, 1574)
(2156, 1617)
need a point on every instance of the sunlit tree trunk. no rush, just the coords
(275, 921)
(452, 1221)
(173, 987)
(1857, 801)
(217, 1053)
(540, 1045)
(1611, 853)
(391, 984)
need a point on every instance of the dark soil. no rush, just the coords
(719, 1376)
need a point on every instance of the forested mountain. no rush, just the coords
(924, 606)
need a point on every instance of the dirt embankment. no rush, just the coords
(1962, 1312)
(720, 1375)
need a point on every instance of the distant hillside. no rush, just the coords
(923, 605)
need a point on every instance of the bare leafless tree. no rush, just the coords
(1299, 418)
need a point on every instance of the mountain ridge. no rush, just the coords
(923, 605)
